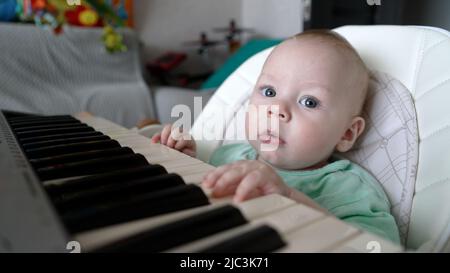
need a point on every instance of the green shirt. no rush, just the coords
(345, 189)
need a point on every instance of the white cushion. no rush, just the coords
(389, 146)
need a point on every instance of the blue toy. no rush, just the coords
(7, 10)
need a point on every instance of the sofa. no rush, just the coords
(45, 73)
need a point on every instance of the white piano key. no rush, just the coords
(291, 218)
(193, 168)
(319, 236)
(181, 163)
(265, 205)
(196, 178)
(203, 243)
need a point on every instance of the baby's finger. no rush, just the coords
(228, 190)
(165, 133)
(249, 187)
(181, 144)
(254, 193)
(228, 182)
(189, 152)
(171, 142)
(177, 134)
(156, 138)
(174, 137)
(210, 178)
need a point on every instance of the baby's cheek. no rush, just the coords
(310, 144)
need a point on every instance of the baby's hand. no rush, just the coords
(245, 179)
(173, 138)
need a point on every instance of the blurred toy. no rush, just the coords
(233, 35)
(83, 16)
(8, 10)
(106, 12)
(203, 43)
(121, 7)
(167, 62)
(113, 41)
(162, 67)
(54, 14)
(25, 10)
(28, 8)
(44, 15)
(45, 19)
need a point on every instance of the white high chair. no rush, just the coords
(417, 56)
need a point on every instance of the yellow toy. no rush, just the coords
(113, 40)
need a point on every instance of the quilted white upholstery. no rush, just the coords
(389, 147)
(418, 57)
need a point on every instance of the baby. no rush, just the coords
(319, 83)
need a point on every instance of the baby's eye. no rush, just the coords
(268, 92)
(309, 102)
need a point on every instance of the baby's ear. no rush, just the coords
(351, 135)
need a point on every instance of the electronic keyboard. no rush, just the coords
(84, 181)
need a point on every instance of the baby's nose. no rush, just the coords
(282, 114)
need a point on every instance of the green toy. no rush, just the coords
(113, 40)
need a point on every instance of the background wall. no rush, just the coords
(273, 18)
(165, 24)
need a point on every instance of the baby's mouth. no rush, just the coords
(270, 138)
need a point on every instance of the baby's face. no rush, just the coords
(312, 86)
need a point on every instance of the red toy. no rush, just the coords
(166, 62)
(83, 16)
(163, 66)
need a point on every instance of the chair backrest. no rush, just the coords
(419, 57)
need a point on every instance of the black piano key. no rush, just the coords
(9, 114)
(46, 126)
(17, 125)
(91, 166)
(47, 143)
(156, 203)
(99, 180)
(259, 240)
(13, 120)
(42, 121)
(116, 192)
(70, 148)
(180, 232)
(59, 136)
(80, 156)
(49, 132)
